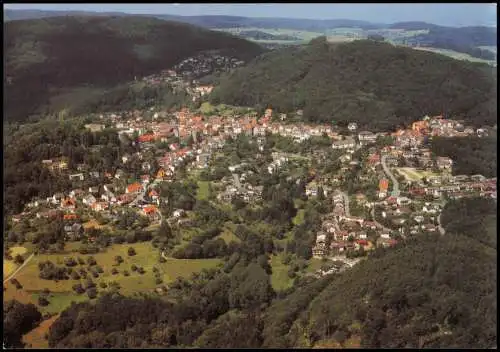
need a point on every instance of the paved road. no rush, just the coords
(395, 191)
(18, 269)
(346, 204)
(442, 231)
(237, 181)
(375, 220)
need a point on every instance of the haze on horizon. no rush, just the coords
(457, 14)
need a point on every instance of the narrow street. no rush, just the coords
(395, 190)
(346, 204)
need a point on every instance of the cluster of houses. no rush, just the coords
(237, 185)
(437, 126)
(341, 232)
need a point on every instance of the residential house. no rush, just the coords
(444, 163)
(352, 126)
(89, 200)
(73, 232)
(151, 211)
(178, 213)
(68, 203)
(79, 177)
(366, 137)
(344, 144)
(403, 201)
(57, 198)
(99, 206)
(119, 174)
(134, 188)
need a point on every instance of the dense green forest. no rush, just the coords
(25, 147)
(471, 156)
(50, 57)
(376, 84)
(430, 292)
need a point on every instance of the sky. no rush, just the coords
(458, 14)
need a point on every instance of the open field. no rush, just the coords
(314, 265)
(146, 257)
(412, 174)
(493, 49)
(203, 191)
(299, 218)
(455, 55)
(227, 235)
(93, 223)
(279, 278)
(8, 265)
(304, 36)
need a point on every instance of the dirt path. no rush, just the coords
(18, 269)
(36, 337)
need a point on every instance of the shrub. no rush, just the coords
(126, 273)
(162, 260)
(81, 261)
(42, 301)
(103, 285)
(159, 281)
(70, 262)
(78, 288)
(92, 292)
(131, 251)
(18, 259)
(114, 271)
(133, 267)
(75, 276)
(91, 261)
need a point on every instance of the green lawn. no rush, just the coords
(299, 218)
(203, 191)
(279, 279)
(314, 265)
(146, 257)
(227, 235)
(59, 301)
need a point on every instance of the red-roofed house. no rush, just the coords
(134, 188)
(150, 211)
(146, 138)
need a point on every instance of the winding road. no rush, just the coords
(18, 269)
(395, 190)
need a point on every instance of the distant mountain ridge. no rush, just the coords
(461, 39)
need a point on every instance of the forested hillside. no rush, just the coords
(471, 156)
(432, 291)
(376, 84)
(49, 57)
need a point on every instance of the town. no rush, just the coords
(405, 186)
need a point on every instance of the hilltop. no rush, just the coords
(376, 84)
(50, 57)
